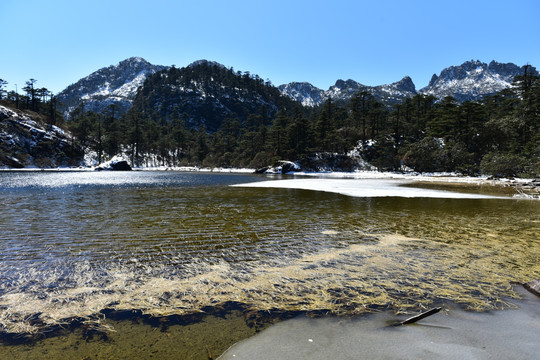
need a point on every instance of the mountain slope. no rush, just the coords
(473, 80)
(204, 94)
(116, 84)
(25, 140)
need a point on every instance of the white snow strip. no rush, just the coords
(365, 188)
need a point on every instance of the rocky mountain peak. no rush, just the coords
(473, 80)
(434, 78)
(133, 61)
(406, 84)
(115, 84)
(303, 92)
(344, 90)
(347, 85)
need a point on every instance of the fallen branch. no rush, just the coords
(533, 286)
(425, 314)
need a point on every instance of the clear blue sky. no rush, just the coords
(57, 42)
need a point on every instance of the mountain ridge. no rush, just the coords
(472, 80)
(205, 94)
(115, 84)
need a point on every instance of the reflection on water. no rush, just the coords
(73, 244)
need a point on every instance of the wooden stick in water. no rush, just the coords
(425, 314)
(533, 286)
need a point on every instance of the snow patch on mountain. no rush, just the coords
(473, 80)
(116, 84)
(304, 92)
(344, 90)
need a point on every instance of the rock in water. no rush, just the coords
(116, 164)
(121, 165)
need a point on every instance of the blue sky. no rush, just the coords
(372, 42)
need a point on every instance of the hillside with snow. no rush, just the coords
(116, 84)
(26, 141)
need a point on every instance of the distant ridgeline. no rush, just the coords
(117, 85)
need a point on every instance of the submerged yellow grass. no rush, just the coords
(388, 271)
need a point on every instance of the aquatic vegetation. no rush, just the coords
(179, 250)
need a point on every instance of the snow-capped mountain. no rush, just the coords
(303, 92)
(116, 84)
(344, 90)
(473, 80)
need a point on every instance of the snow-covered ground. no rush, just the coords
(378, 184)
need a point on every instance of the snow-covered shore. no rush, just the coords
(386, 184)
(373, 184)
(157, 168)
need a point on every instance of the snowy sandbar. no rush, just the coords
(366, 185)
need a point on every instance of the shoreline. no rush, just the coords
(506, 333)
(455, 333)
(516, 187)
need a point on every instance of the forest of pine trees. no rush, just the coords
(35, 99)
(498, 135)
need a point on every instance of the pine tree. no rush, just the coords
(298, 136)
(3, 83)
(359, 107)
(324, 125)
(31, 92)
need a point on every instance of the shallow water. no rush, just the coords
(165, 243)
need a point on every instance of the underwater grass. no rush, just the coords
(393, 272)
(271, 250)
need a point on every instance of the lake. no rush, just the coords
(106, 264)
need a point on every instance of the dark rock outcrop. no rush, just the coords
(115, 165)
